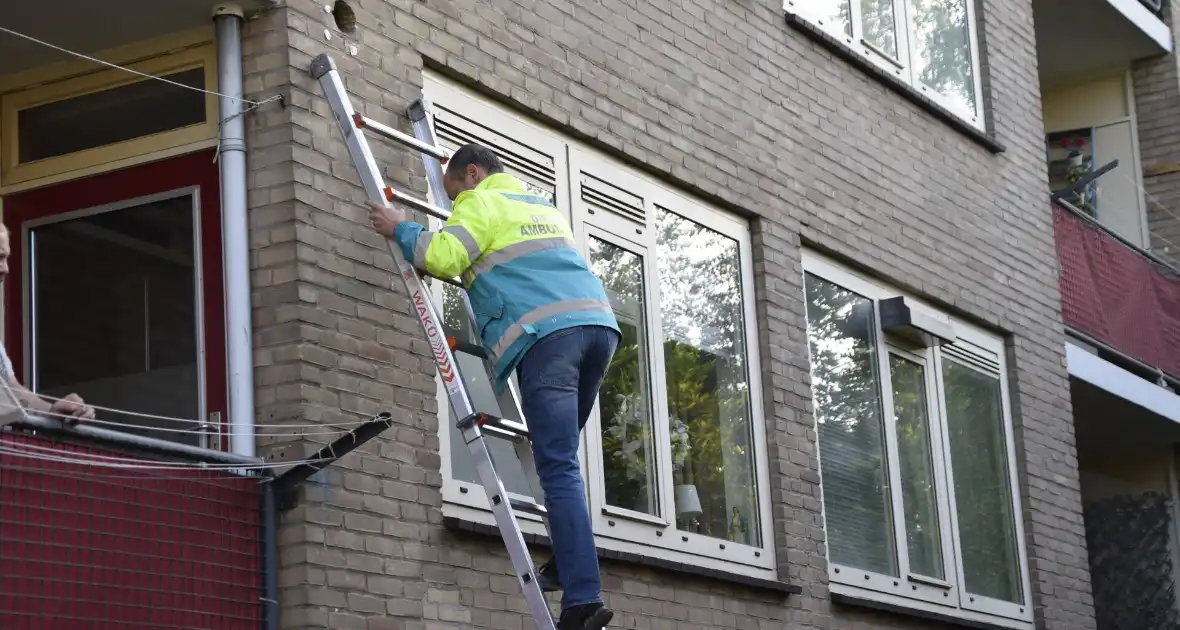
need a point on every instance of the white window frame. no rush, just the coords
(899, 67)
(616, 529)
(919, 593)
(456, 100)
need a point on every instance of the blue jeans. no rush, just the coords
(559, 381)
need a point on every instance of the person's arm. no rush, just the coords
(450, 251)
(71, 405)
(69, 409)
(27, 398)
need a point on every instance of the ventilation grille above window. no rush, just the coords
(973, 355)
(536, 167)
(611, 198)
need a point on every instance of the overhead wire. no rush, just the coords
(251, 105)
(179, 420)
(101, 474)
(116, 66)
(63, 456)
(59, 455)
(1173, 256)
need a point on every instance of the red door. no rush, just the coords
(115, 292)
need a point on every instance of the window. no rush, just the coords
(115, 293)
(1090, 125)
(674, 455)
(108, 118)
(929, 44)
(916, 454)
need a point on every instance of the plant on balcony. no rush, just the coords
(1078, 169)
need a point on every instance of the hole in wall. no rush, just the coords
(344, 17)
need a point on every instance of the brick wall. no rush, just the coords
(1157, 105)
(817, 150)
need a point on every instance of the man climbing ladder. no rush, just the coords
(541, 311)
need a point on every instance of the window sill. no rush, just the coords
(840, 50)
(457, 524)
(864, 598)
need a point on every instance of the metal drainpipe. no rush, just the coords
(228, 19)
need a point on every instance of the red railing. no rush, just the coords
(84, 546)
(1116, 295)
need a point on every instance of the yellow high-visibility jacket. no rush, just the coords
(516, 257)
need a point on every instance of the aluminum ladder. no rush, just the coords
(473, 424)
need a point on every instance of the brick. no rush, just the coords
(817, 152)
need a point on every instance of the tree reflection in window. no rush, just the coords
(857, 508)
(879, 21)
(625, 396)
(919, 493)
(942, 49)
(939, 53)
(834, 13)
(983, 496)
(706, 380)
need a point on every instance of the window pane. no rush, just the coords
(845, 381)
(109, 116)
(942, 49)
(880, 25)
(457, 324)
(483, 398)
(706, 380)
(987, 528)
(836, 15)
(918, 492)
(628, 453)
(114, 315)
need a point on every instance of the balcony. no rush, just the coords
(1117, 295)
(1121, 305)
(95, 533)
(1126, 458)
(1067, 31)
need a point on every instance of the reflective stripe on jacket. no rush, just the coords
(515, 254)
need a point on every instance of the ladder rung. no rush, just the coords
(392, 196)
(516, 429)
(501, 427)
(528, 507)
(503, 434)
(474, 424)
(386, 131)
(471, 349)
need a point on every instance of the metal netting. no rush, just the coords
(1116, 295)
(1131, 568)
(95, 547)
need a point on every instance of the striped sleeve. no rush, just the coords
(453, 249)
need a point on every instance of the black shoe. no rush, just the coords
(547, 577)
(585, 617)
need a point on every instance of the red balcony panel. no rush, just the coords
(1116, 295)
(85, 546)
